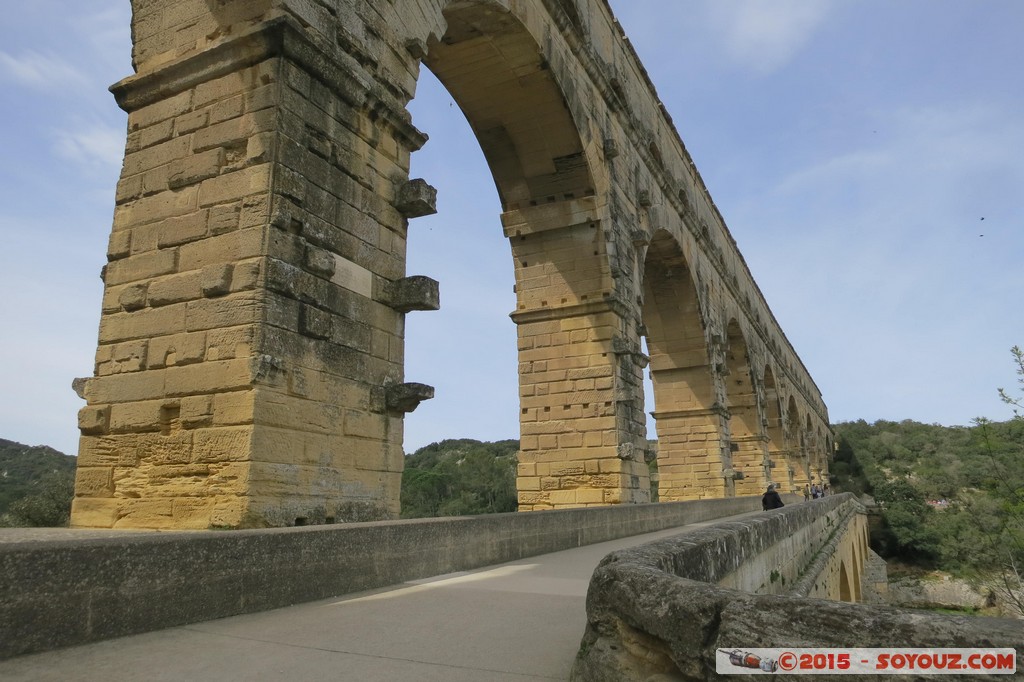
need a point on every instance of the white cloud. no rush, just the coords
(41, 71)
(765, 35)
(98, 146)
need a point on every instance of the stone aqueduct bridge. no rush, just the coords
(250, 361)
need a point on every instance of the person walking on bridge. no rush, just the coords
(771, 499)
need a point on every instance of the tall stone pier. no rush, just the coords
(250, 368)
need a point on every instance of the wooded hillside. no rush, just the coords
(456, 477)
(23, 467)
(36, 485)
(952, 498)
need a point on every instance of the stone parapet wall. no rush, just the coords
(781, 553)
(72, 587)
(660, 611)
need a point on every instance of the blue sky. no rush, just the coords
(853, 146)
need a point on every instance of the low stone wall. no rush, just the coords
(658, 611)
(70, 587)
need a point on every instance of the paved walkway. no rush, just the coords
(513, 622)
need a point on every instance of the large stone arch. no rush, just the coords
(775, 430)
(858, 567)
(688, 417)
(796, 455)
(250, 368)
(845, 585)
(491, 62)
(747, 442)
(495, 69)
(813, 450)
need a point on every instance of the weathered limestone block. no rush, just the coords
(404, 398)
(413, 293)
(133, 298)
(94, 419)
(320, 262)
(78, 385)
(173, 289)
(416, 199)
(215, 280)
(315, 323)
(119, 245)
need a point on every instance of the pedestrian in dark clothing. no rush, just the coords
(771, 499)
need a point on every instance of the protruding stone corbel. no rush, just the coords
(413, 293)
(733, 475)
(416, 47)
(80, 385)
(643, 198)
(416, 199)
(405, 398)
(621, 346)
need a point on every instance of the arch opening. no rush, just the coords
(572, 448)
(845, 591)
(778, 467)
(796, 454)
(496, 72)
(747, 444)
(688, 419)
(468, 346)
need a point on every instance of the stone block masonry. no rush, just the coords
(250, 365)
(251, 334)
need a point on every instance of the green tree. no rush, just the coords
(458, 477)
(846, 471)
(1016, 403)
(909, 529)
(47, 505)
(23, 466)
